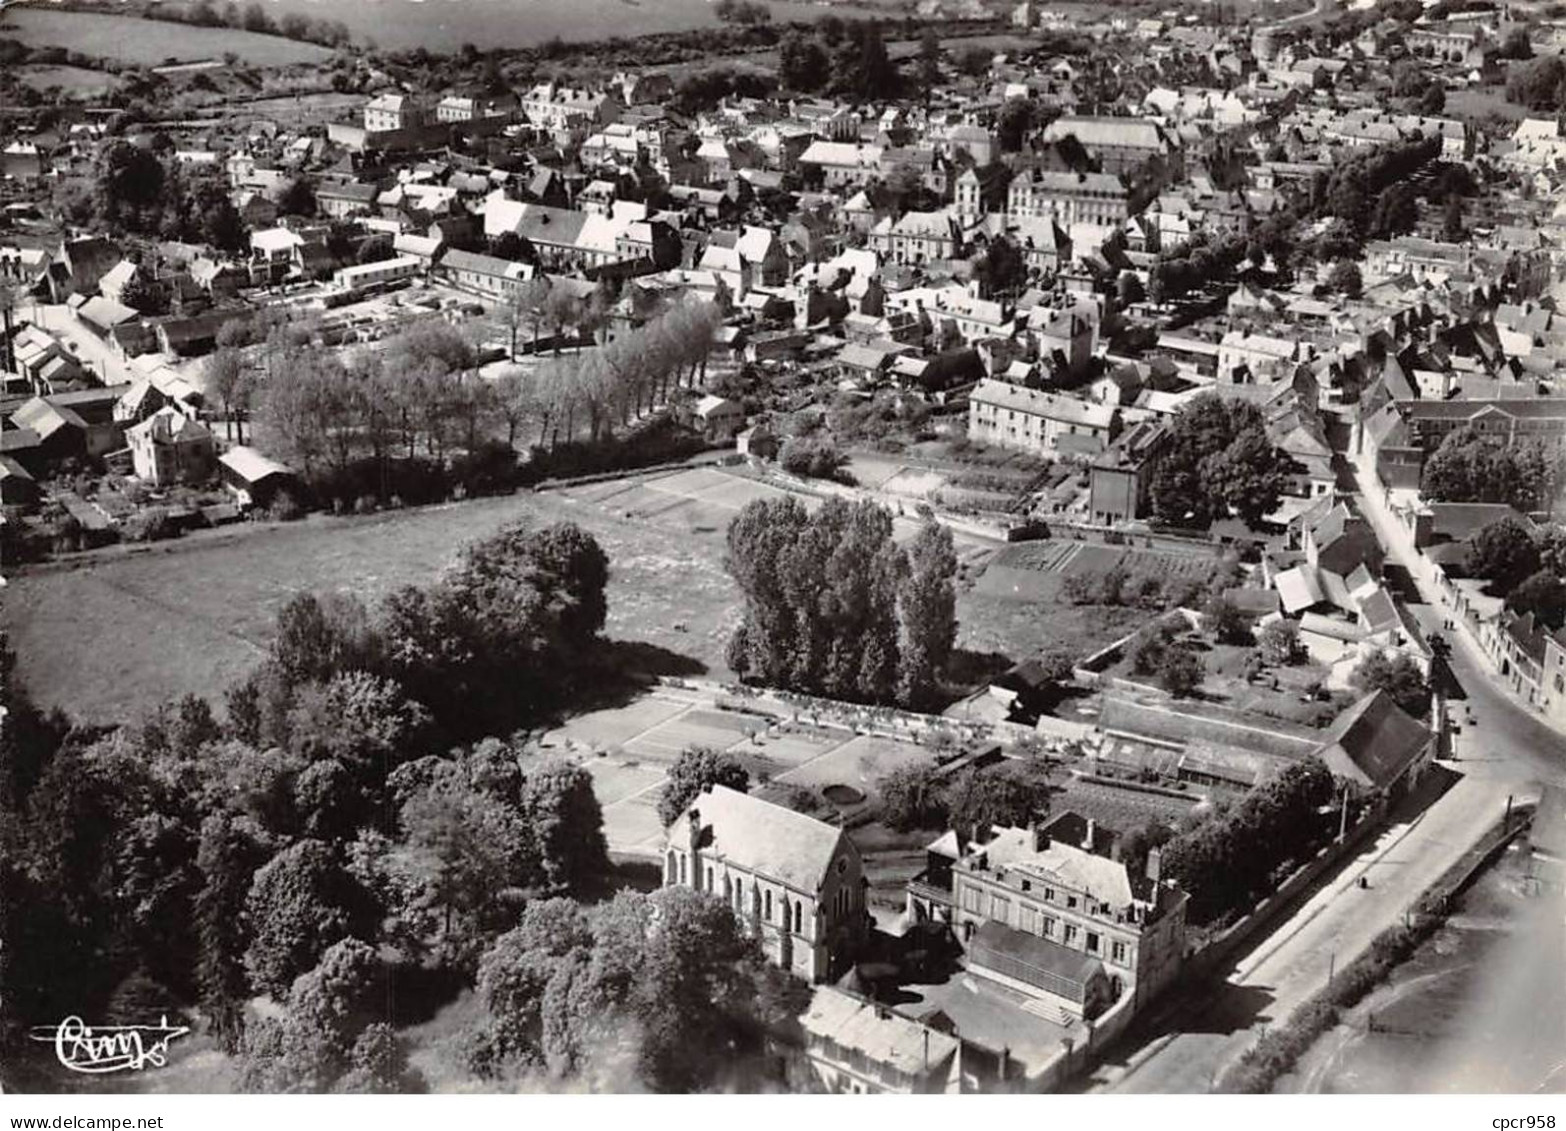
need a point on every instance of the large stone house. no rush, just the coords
(1051, 912)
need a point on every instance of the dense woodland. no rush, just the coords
(369, 808)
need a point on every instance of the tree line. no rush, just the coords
(412, 419)
(252, 17)
(1227, 861)
(834, 606)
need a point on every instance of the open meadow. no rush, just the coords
(105, 635)
(69, 80)
(148, 43)
(108, 634)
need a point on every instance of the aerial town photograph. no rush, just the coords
(783, 546)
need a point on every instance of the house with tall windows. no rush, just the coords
(1053, 912)
(796, 883)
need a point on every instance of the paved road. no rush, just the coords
(1503, 753)
(1329, 930)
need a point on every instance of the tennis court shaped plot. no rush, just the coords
(861, 762)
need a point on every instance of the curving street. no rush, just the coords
(1502, 754)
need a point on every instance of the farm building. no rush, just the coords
(254, 478)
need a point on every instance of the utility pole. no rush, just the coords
(1332, 962)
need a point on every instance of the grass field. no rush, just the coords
(71, 80)
(150, 42)
(1482, 101)
(122, 632)
(107, 635)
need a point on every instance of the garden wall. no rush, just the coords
(1224, 946)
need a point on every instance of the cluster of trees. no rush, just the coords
(1218, 460)
(838, 57)
(1524, 564)
(406, 422)
(1158, 651)
(1232, 858)
(630, 373)
(1538, 84)
(814, 457)
(1194, 264)
(834, 607)
(703, 90)
(146, 192)
(254, 17)
(742, 12)
(317, 839)
(1469, 467)
(375, 424)
(1368, 191)
(1414, 81)
(696, 769)
(504, 637)
(919, 796)
(1398, 676)
(666, 991)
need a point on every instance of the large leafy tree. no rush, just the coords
(802, 63)
(563, 817)
(1226, 860)
(1470, 468)
(696, 769)
(1543, 594)
(1398, 676)
(300, 903)
(230, 851)
(1218, 458)
(1505, 553)
(978, 800)
(928, 606)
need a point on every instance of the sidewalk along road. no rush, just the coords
(1506, 729)
(1503, 750)
(1328, 931)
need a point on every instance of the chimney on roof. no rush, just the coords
(1155, 865)
(1092, 828)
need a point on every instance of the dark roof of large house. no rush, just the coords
(542, 224)
(1374, 741)
(352, 190)
(181, 331)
